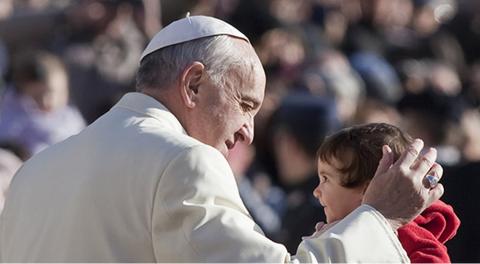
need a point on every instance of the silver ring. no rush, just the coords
(431, 181)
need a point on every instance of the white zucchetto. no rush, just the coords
(190, 28)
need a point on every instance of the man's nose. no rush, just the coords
(247, 132)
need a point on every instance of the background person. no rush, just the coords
(9, 164)
(297, 129)
(34, 111)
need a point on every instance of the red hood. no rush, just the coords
(423, 238)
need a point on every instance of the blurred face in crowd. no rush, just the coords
(337, 201)
(223, 112)
(50, 94)
(41, 77)
(6, 8)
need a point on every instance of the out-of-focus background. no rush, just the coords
(329, 64)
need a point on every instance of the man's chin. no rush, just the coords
(225, 154)
(224, 150)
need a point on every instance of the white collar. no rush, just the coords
(147, 105)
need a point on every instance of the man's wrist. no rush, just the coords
(395, 224)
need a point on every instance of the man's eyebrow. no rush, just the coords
(252, 99)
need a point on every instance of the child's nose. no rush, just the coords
(317, 192)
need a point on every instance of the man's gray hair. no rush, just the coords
(164, 66)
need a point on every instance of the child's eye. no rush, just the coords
(323, 178)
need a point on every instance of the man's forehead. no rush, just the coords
(249, 83)
(191, 28)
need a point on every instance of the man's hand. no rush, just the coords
(397, 190)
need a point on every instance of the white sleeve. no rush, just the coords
(198, 216)
(363, 236)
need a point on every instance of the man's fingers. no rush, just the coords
(425, 162)
(433, 176)
(436, 170)
(410, 155)
(435, 193)
(386, 160)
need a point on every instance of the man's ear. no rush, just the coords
(190, 82)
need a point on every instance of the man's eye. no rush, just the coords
(246, 107)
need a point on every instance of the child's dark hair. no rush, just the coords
(359, 149)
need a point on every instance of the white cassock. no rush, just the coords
(134, 187)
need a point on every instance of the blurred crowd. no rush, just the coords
(329, 64)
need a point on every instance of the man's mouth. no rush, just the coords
(230, 144)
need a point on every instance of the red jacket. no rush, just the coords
(423, 239)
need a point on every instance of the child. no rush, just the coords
(34, 112)
(347, 161)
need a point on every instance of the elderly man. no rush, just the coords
(147, 182)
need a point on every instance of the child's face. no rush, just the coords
(337, 201)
